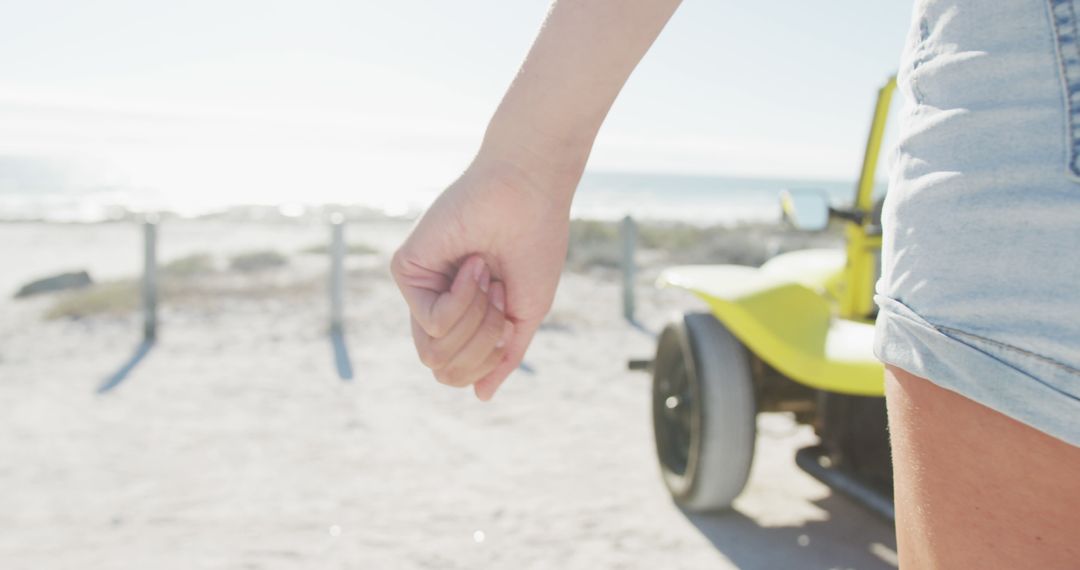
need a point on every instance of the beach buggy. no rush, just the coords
(794, 335)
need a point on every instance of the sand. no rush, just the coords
(234, 444)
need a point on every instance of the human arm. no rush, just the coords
(510, 208)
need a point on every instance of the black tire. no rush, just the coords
(704, 413)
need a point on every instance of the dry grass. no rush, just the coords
(350, 249)
(597, 244)
(195, 281)
(108, 298)
(192, 282)
(258, 260)
(193, 265)
(119, 298)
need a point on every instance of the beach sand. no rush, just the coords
(234, 444)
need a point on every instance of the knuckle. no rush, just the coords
(442, 377)
(425, 359)
(398, 263)
(433, 356)
(451, 378)
(435, 328)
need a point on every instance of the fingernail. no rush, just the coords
(507, 330)
(485, 279)
(498, 298)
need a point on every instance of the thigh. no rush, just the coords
(976, 489)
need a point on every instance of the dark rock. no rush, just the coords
(73, 280)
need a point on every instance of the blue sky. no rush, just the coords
(361, 101)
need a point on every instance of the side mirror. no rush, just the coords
(805, 209)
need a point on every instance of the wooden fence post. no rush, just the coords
(337, 272)
(629, 242)
(150, 279)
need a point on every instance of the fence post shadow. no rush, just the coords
(341, 354)
(120, 375)
(640, 327)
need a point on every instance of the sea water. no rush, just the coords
(696, 199)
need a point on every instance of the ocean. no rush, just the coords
(699, 200)
(696, 199)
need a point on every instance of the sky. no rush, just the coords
(264, 102)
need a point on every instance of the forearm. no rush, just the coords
(580, 60)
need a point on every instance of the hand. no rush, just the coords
(479, 271)
(489, 251)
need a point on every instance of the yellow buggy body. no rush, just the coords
(795, 335)
(782, 312)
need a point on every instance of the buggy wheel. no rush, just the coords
(703, 412)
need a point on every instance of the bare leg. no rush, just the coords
(976, 489)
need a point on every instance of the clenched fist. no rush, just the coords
(479, 272)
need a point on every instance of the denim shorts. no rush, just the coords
(980, 285)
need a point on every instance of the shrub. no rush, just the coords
(189, 266)
(350, 249)
(257, 261)
(112, 298)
